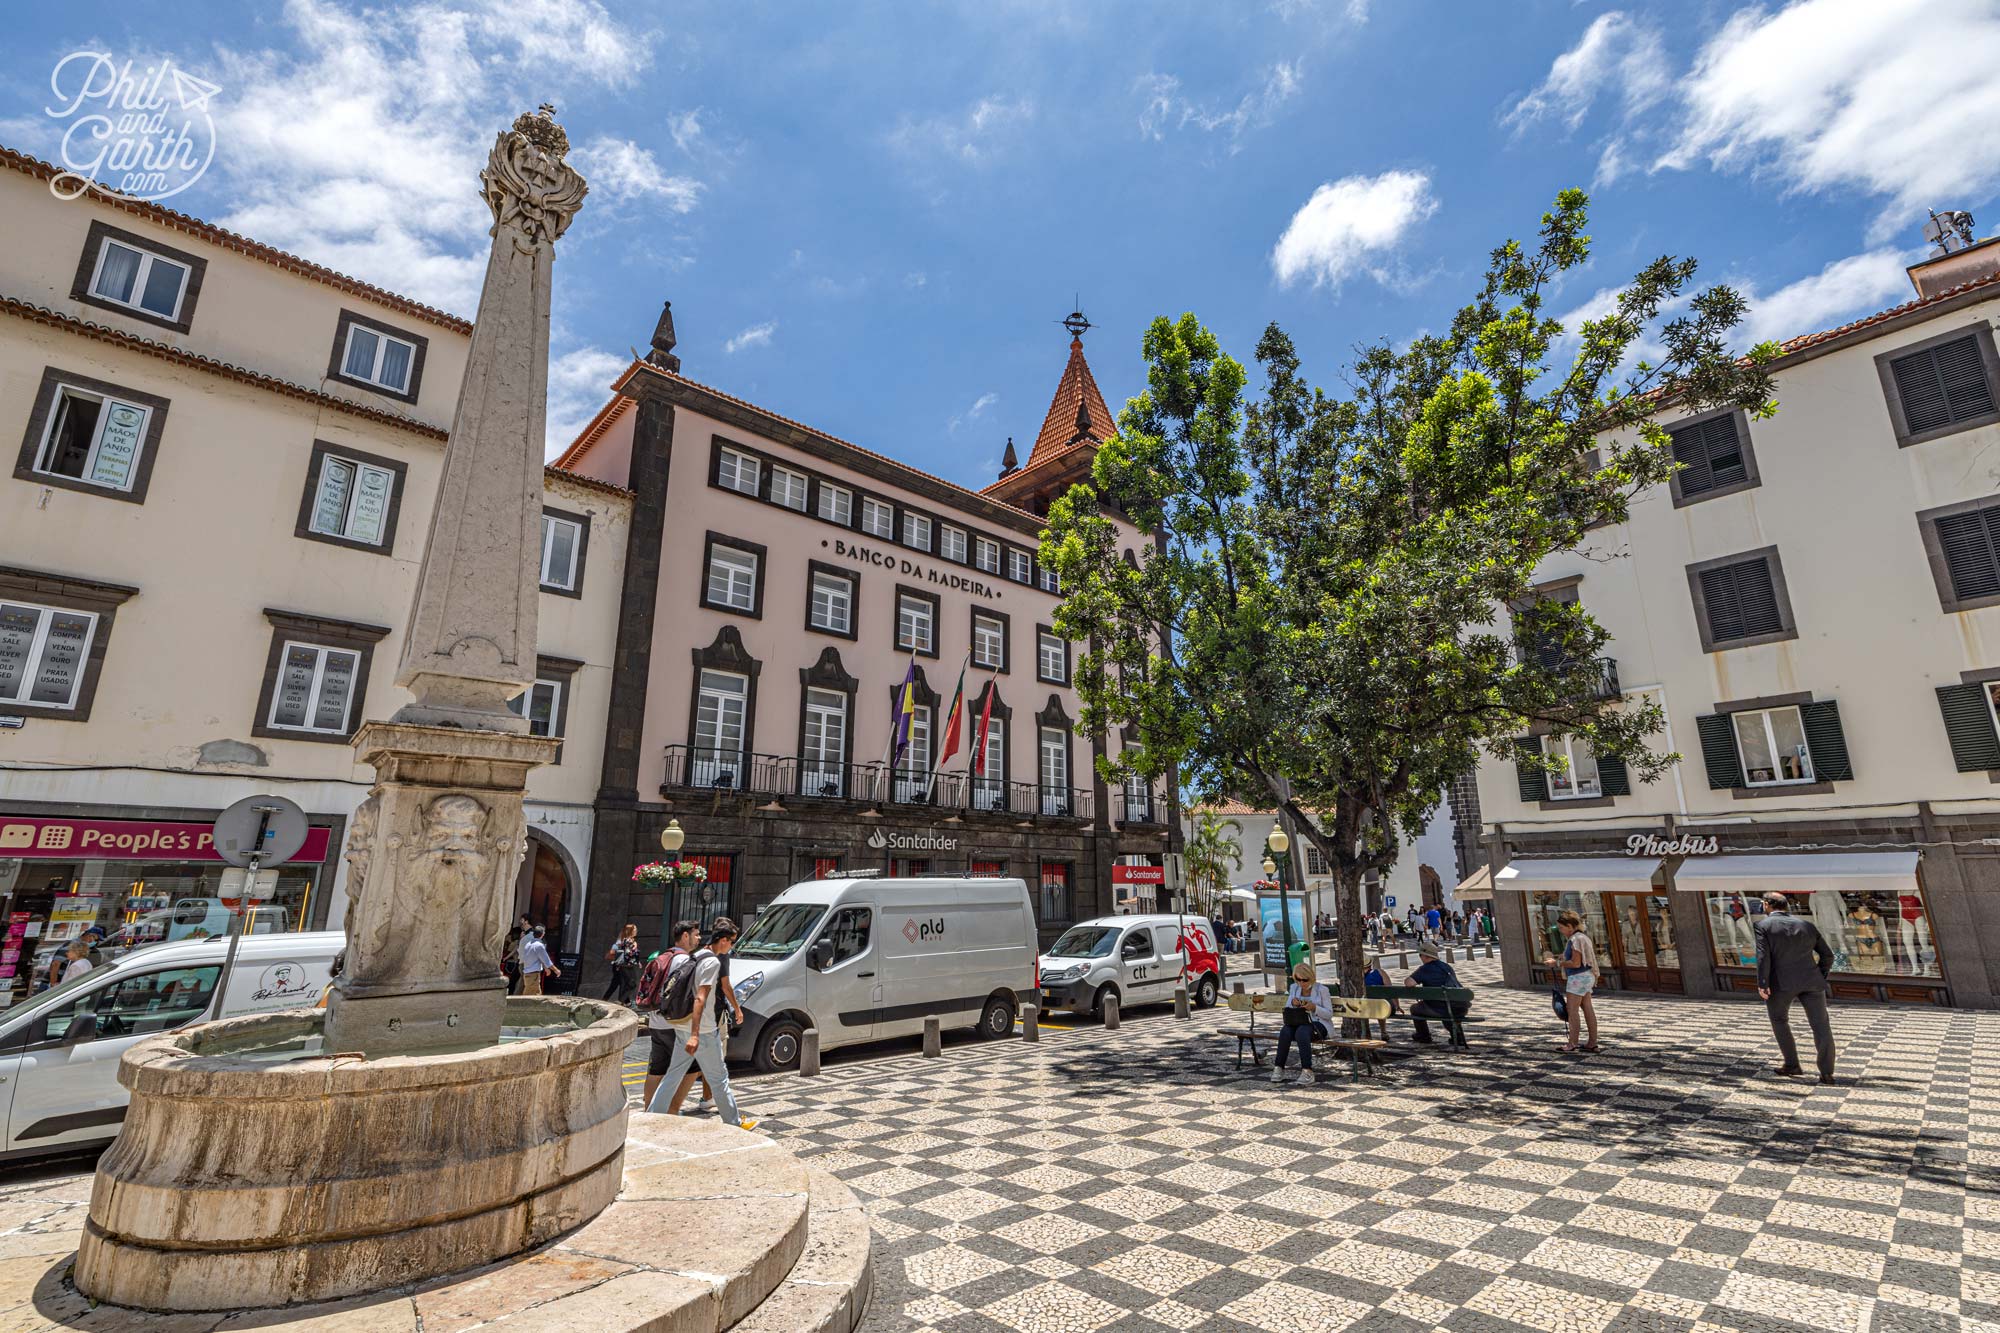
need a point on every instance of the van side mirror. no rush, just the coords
(821, 957)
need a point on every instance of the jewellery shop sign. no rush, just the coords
(1648, 844)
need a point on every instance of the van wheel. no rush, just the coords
(778, 1046)
(1204, 991)
(997, 1019)
(1097, 1001)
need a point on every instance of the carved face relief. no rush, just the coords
(452, 825)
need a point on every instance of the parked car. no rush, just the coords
(1140, 959)
(862, 959)
(59, 1051)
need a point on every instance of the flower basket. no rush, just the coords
(668, 875)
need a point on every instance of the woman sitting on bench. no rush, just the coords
(1308, 1017)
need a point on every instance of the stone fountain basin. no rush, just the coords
(249, 1175)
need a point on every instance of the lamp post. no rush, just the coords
(1280, 843)
(671, 838)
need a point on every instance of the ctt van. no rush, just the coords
(1139, 959)
(864, 958)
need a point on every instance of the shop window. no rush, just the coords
(986, 554)
(709, 899)
(951, 543)
(989, 642)
(902, 867)
(917, 532)
(1576, 777)
(137, 276)
(1055, 902)
(733, 576)
(1545, 908)
(43, 650)
(836, 504)
(878, 519)
(788, 488)
(352, 499)
(1871, 934)
(736, 470)
(825, 867)
(831, 606)
(565, 537)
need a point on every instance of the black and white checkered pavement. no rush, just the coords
(1134, 1180)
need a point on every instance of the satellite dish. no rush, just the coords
(271, 827)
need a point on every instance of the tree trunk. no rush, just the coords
(1349, 941)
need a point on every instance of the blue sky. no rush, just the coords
(871, 216)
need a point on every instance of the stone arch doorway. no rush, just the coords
(545, 887)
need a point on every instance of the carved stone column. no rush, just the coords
(433, 851)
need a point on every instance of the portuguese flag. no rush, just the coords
(954, 719)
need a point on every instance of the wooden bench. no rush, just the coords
(1439, 995)
(1363, 1053)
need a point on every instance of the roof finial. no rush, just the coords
(1076, 323)
(1009, 460)
(663, 340)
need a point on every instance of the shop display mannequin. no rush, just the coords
(1732, 921)
(1829, 913)
(1868, 941)
(1914, 926)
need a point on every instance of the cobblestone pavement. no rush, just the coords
(1135, 1180)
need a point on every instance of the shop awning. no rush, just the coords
(1849, 872)
(1476, 887)
(1579, 874)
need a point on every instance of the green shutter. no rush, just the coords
(1975, 745)
(1826, 742)
(1534, 784)
(1612, 777)
(1718, 751)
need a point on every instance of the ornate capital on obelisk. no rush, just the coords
(526, 182)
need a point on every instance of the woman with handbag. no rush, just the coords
(624, 959)
(1308, 1015)
(1579, 965)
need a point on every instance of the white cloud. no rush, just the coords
(359, 144)
(1857, 285)
(1348, 224)
(973, 413)
(623, 170)
(757, 335)
(1163, 108)
(1894, 98)
(579, 384)
(971, 135)
(1616, 54)
(916, 280)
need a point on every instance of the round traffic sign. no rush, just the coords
(282, 822)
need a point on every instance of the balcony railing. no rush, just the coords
(699, 768)
(1140, 807)
(1602, 673)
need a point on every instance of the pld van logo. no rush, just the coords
(142, 131)
(914, 930)
(877, 841)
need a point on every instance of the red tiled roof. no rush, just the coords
(1809, 340)
(1076, 414)
(229, 240)
(563, 474)
(1232, 806)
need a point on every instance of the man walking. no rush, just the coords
(1792, 962)
(652, 990)
(697, 1031)
(535, 961)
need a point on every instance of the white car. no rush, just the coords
(1140, 959)
(59, 1050)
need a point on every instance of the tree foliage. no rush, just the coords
(1319, 625)
(1212, 853)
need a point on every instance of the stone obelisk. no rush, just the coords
(434, 849)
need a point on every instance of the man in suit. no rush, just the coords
(1793, 959)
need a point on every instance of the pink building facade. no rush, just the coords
(780, 587)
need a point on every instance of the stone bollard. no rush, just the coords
(933, 1038)
(1180, 1002)
(809, 1052)
(1111, 1011)
(1031, 1023)
(1235, 988)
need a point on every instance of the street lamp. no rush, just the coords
(671, 838)
(1280, 842)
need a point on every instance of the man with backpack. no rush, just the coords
(652, 989)
(692, 1004)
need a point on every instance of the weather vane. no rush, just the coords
(1076, 323)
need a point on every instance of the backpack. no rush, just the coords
(677, 1000)
(650, 980)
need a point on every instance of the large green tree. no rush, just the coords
(1212, 853)
(1320, 623)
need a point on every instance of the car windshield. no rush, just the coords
(780, 931)
(1085, 942)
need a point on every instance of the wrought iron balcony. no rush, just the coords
(700, 768)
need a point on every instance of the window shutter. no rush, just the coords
(1963, 377)
(1968, 722)
(1534, 783)
(1612, 777)
(1691, 452)
(1718, 751)
(1826, 742)
(1942, 385)
(1971, 546)
(1712, 451)
(1742, 601)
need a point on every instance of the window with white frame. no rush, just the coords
(916, 627)
(832, 603)
(562, 545)
(1055, 771)
(913, 770)
(917, 531)
(836, 504)
(94, 438)
(1046, 577)
(352, 500)
(43, 650)
(877, 519)
(722, 705)
(1018, 566)
(788, 488)
(989, 642)
(1138, 800)
(315, 689)
(1772, 743)
(128, 276)
(732, 578)
(986, 554)
(951, 543)
(1051, 657)
(541, 704)
(989, 783)
(736, 471)
(1576, 776)
(377, 358)
(823, 749)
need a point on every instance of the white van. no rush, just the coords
(59, 1050)
(862, 959)
(1140, 959)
